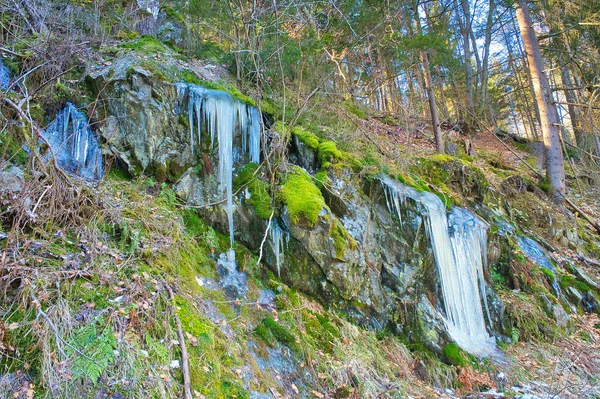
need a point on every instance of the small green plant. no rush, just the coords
(92, 351)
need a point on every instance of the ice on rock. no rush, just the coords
(73, 144)
(459, 242)
(221, 116)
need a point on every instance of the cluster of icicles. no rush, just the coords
(73, 144)
(458, 240)
(221, 116)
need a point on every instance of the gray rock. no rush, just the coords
(11, 180)
(561, 317)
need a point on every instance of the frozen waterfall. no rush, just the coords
(221, 116)
(279, 238)
(458, 240)
(73, 144)
(4, 76)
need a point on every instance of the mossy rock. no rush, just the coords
(308, 138)
(302, 197)
(147, 44)
(342, 240)
(328, 153)
(260, 197)
(454, 355)
(272, 332)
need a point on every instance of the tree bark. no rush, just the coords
(435, 119)
(555, 170)
(485, 73)
(466, 39)
(578, 132)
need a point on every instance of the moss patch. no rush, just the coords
(341, 239)
(302, 198)
(453, 355)
(147, 44)
(271, 332)
(308, 138)
(260, 197)
(328, 153)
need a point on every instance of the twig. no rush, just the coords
(260, 253)
(185, 366)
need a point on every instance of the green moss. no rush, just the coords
(321, 179)
(11, 149)
(328, 153)
(260, 197)
(172, 13)
(306, 137)
(271, 332)
(454, 355)
(341, 239)
(190, 77)
(245, 175)
(570, 281)
(303, 199)
(183, 121)
(193, 224)
(147, 44)
(154, 68)
(354, 109)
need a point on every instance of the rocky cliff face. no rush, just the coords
(355, 256)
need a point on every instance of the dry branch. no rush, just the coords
(185, 366)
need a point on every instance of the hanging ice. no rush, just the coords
(4, 76)
(458, 241)
(279, 238)
(73, 144)
(219, 114)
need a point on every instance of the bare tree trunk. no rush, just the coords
(555, 169)
(485, 72)
(435, 120)
(465, 28)
(580, 138)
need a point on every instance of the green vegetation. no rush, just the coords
(92, 351)
(302, 198)
(454, 355)
(341, 239)
(147, 44)
(271, 332)
(308, 138)
(328, 153)
(260, 197)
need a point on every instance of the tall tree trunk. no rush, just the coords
(465, 28)
(578, 132)
(485, 72)
(435, 120)
(555, 169)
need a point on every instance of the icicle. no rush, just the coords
(279, 238)
(4, 76)
(254, 130)
(73, 144)
(223, 116)
(460, 253)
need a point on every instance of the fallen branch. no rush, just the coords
(185, 366)
(589, 261)
(586, 217)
